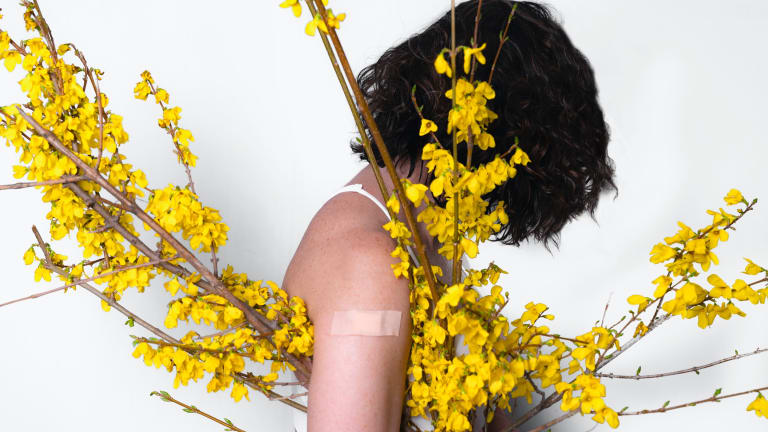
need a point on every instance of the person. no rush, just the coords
(546, 97)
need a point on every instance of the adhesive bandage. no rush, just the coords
(366, 323)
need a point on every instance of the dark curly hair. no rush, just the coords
(546, 96)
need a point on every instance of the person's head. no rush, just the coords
(545, 96)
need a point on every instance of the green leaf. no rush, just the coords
(623, 409)
(638, 370)
(737, 352)
(129, 322)
(187, 410)
(228, 421)
(665, 404)
(697, 372)
(717, 392)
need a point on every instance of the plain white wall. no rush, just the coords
(683, 88)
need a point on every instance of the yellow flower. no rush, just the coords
(42, 273)
(334, 20)
(172, 115)
(469, 247)
(238, 391)
(19, 171)
(733, 197)
(759, 406)
(662, 285)
(442, 66)
(520, 157)
(752, 268)
(318, 23)
(485, 141)
(161, 96)
(415, 193)
(12, 58)
(469, 52)
(312, 26)
(29, 256)
(294, 5)
(427, 126)
(661, 253)
(393, 204)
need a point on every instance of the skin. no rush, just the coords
(343, 263)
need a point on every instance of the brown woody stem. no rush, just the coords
(61, 180)
(193, 409)
(683, 371)
(80, 281)
(385, 156)
(694, 403)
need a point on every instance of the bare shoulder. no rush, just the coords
(344, 262)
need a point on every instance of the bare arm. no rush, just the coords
(357, 382)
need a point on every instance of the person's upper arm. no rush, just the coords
(357, 382)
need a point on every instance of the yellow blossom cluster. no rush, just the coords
(178, 209)
(682, 253)
(317, 21)
(465, 354)
(170, 120)
(64, 99)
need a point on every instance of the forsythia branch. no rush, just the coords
(80, 281)
(714, 398)
(683, 371)
(62, 180)
(194, 410)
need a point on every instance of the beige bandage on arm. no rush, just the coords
(366, 323)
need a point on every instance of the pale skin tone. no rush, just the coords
(343, 263)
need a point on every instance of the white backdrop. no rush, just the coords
(683, 88)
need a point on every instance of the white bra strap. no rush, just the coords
(359, 189)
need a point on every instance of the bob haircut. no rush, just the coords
(546, 96)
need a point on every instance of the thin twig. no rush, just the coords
(608, 303)
(61, 180)
(172, 132)
(474, 39)
(421, 116)
(221, 333)
(535, 388)
(79, 281)
(456, 264)
(193, 409)
(553, 422)
(709, 399)
(43, 246)
(50, 266)
(293, 396)
(191, 348)
(682, 371)
(501, 42)
(385, 156)
(251, 381)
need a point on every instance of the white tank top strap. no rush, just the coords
(356, 187)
